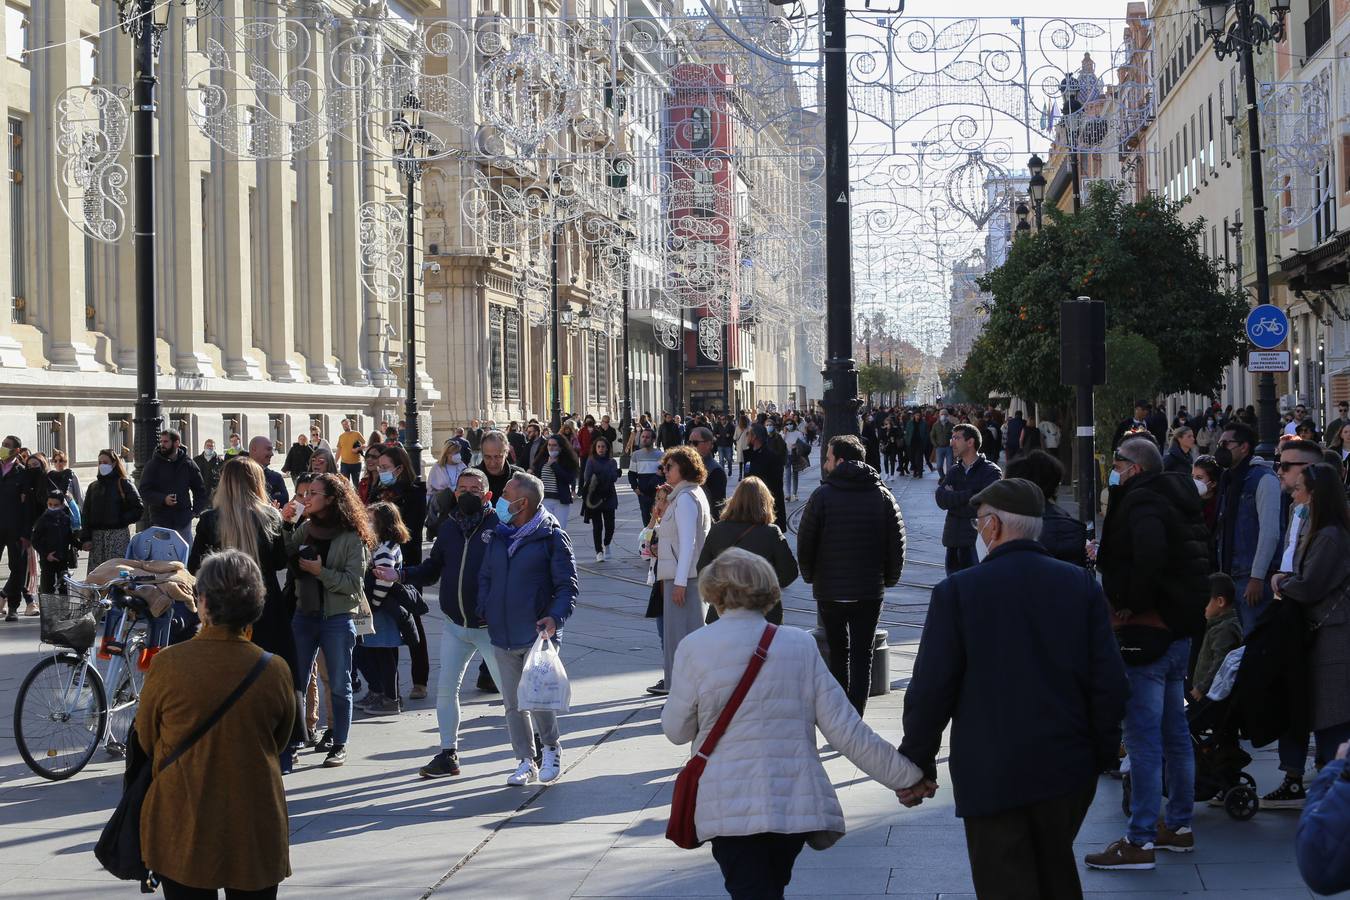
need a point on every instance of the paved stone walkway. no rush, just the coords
(375, 829)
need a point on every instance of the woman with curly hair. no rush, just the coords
(330, 551)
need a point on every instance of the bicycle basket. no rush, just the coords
(69, 620)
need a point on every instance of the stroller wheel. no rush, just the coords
(1242, 802)
(1125, 794)
(1248, 780)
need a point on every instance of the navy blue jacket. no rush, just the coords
(959, 528)
(175, 475)
(515, 591)
(1017, 653)
(276, 486)
(456, 559)
(1323, 841)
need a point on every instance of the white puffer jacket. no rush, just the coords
(766, 774)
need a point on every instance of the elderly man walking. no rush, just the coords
(1154, 561)
(526, 587)
(1017, 654)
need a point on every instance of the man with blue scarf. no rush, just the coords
(526, 587)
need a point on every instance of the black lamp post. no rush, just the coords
(138, 19)
(1036, 186)
(1023, 226)
(411, 142)
(1247, 36)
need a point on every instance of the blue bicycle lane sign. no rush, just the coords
(1267, 326)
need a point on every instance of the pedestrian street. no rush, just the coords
(375, 829)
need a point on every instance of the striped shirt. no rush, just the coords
(388, 553)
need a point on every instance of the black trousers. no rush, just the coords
(175, 891)
(602, 520)
(384, 670)
(51, 577)
(1027, 853)
(849, 631)
(421, 663)
(959, 558)
(18, 569)
(757, 866)
(916, 458)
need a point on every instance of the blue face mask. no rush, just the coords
(503, 509)
(1114, 480)
(387, 478)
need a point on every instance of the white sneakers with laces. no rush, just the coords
(525, 773)
(551, 765)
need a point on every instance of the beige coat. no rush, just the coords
(216, 818)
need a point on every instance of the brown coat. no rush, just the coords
(216, 818)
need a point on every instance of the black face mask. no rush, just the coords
(469, 505)
(1224, 457)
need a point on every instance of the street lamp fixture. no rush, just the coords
(1036, 186)
(412, 144)
(1023, 226)
(1036, 166)
(1247, 37)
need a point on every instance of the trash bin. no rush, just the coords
(881, 659)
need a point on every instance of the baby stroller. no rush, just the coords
(1220, 760)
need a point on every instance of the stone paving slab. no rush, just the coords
(374, 829)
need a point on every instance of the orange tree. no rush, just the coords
(1144, 262)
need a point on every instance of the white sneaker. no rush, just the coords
(525, 773)
(606, 551)
(551, 767)
(600, 557)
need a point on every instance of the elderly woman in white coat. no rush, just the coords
(764, 793)
(679, 544)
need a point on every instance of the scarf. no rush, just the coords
(517, 534)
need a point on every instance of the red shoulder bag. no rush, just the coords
(680, 830)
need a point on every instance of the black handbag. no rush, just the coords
(119, 846)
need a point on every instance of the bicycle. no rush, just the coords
(63, 711)
(1268, 324)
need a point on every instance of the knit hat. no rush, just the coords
(1012, 495)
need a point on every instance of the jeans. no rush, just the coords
(790, 478)
(959, 558)
(458, 645)
(519, 723)
(337, 636)
(724, 458)
(944, 460)
(850, 629)
(1156, 732)
(561, 511)
(602, 528)
(352, 471)
(1249, 615)
(757, 866)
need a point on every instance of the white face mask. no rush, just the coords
(105, 468)
(981, 548)
(1201, 486)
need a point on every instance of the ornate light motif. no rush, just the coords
(968, 189)
(527, 93)
(383, 238)
(91, 133)
(710, 338)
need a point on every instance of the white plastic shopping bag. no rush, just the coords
(543, 683)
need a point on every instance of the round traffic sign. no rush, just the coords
(1267, 326)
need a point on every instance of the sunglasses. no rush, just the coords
(1286, 466)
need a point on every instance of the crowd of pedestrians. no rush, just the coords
(1049, 656)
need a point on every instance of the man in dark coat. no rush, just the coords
(260, 450)
(209, 463)
(969, 474)
(1154, 562)
(493, 446)
(1014, 440)
(1017, 654)
(15, 522)
(172, 488)
(1138, 423)
(669, 433)
(715, 485)
(1062, 534)
(766, 463)
(850, 548)
(1157, 425)
(297, 459)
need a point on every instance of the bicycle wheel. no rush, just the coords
(59, 716)
(122, 703)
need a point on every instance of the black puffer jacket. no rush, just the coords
(1063, 535)
(15, 488)
(954, 493)
(851, 543)
(1155, 551)
(108, 504)
(177, 475)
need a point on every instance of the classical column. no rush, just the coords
(342, 341)
(57, 300)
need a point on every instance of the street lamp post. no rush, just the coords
(1036, 186)
(1248, 36)
(555, 370)
(411, 142)
(137, 18)
(1023, 226)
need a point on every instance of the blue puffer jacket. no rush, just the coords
(456, 559)
(515, 591)
(1323, 842)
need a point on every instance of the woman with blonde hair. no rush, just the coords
(242, 518)
(748, 523)
(765, 794)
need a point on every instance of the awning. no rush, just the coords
(1325, 266)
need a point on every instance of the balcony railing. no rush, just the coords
(1317, 29)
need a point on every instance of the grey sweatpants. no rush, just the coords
(680, 620)
(519, 723)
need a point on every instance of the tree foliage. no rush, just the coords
(1144, 262)
(1133, 367)
(879, 379)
